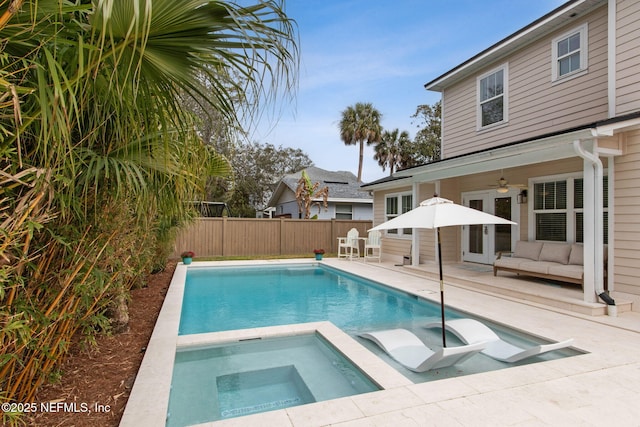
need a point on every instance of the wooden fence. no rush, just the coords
(209, 237)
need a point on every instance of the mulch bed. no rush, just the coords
(101, 378)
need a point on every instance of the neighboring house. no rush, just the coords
(346, 199)
(555, 107)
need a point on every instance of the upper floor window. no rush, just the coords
(569, 53)
(492, 91)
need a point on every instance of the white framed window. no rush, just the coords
(344, 212)
(550, 209)
(492, 97)
(558, 210)
(569, 54)
(397, 204)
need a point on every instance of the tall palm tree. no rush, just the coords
(97, 155)
(359, 124)
(391, 150)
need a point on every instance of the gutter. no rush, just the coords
(598, 240)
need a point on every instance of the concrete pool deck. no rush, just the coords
(600, 387)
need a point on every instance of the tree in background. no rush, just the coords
(98, 155)
(426, 144)
(392, 150)
(359, 124)
(307, 195)
(257, 168)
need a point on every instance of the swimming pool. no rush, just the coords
(230, 298)
(148, 403)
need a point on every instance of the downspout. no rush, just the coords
(598, 218)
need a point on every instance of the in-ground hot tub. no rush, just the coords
(229, 380)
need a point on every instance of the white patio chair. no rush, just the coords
(372, 246)
(350, 244)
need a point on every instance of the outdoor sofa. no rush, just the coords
(555, 261)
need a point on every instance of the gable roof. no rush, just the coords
(557, 18)
(343, 185)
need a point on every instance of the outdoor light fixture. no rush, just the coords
(522, 197)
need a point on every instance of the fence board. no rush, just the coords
(209, 237)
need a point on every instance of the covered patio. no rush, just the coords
(552, 295)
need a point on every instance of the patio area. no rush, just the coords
(595, 388)
(548, 294)
(592, 389)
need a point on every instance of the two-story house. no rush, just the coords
(543, 128)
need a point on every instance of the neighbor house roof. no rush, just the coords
(343, 185)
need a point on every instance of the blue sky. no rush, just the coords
(382, 52)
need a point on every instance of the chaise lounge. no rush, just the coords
(471, 331)
(410, 351)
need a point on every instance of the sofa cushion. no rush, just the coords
(540, 267)
(529, 250)
(573, 271)
(509, 262)
(577, 255)
(555, 252)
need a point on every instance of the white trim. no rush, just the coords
(556, 147)
(398, 195)
(415, 237)
(346, 200)
(505, 44)
(611, 57)
(570, 219)
(489, 244)
(583, 30)
(505, 97)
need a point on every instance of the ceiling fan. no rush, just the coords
(503, 185)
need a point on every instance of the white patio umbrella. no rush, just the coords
(435, 213)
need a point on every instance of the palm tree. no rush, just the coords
(97, 155)
(359, 124)
(391, 150)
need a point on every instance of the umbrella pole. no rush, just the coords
(444, 340)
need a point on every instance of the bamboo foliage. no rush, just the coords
(97, 155)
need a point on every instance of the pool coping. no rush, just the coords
(148, 401)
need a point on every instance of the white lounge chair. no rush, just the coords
(471, 331)
(411, 352)
(372, 246)
(349, 246)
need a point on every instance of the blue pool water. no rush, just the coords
(237, 298)
(232, 380)
(229, 298)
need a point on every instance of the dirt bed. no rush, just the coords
(95, 385)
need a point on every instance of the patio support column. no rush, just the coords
(415, 236)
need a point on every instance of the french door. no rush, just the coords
(480, 243)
